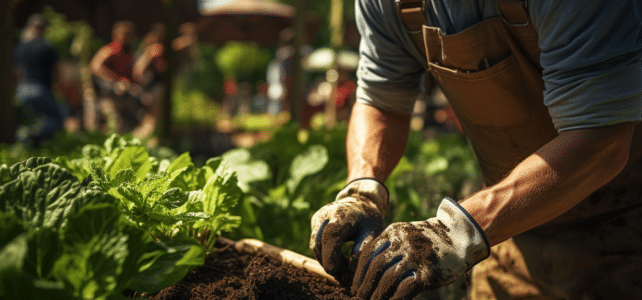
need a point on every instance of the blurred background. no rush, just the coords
(164, 68)
(267, 85)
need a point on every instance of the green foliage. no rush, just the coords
(430, 170)
(60, 240)
(63, 143)
(292, 175)
(244, 61)
(322, 10)
(204, 76)
(287, 179)
(193, 107)
(168, 198)
(63, 34)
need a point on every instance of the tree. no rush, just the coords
(7, 82)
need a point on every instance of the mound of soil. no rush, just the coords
(230, 275)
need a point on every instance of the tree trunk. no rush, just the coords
(296, 91)
(7, 83)
(165, 123)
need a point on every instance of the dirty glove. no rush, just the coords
(410, 257)
(356, 215)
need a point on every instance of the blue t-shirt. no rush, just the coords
(37, 59)
(591, 55)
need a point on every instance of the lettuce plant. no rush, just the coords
(166, 198)
(60, 240)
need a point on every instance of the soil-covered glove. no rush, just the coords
(356, 215)
(410, 257)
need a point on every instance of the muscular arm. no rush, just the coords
(551, 181)
(376, 141)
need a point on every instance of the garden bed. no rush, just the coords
(229, 274)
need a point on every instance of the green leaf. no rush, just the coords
(213, 163)
(183, 161)
(44, 248)
(5, 175)
(114, 142)
(92, 151)
(154, 185)
(15, 283)
(43, 197)
(123, 177)
(237, 156)
(100, 179)
(226, 222)
(28, 165)
(403, 166)
(173, 198)
(129, 196)
(308, 162)
(91, 267)
(188, 178)
(221, 193)
(180, 254)
(133, 157)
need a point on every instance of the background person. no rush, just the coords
(113, 65)
(36, 64)
(149, 70)
(549, 96)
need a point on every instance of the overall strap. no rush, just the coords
(515, 13)
(413, 16)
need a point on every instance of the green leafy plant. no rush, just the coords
(166, 198)
(286, 179)
(60, 240)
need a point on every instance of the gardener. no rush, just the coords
(549, 95)
(36, 64)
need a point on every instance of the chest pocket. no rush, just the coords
(491, 76)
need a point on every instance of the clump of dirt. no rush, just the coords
(230, 275)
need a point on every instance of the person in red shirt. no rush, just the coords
(113, 66)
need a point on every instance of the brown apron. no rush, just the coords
(491, 76)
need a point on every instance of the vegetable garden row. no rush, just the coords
(93, 220)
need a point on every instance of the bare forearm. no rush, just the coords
(551, 181)
(106, 74)
(376, 141)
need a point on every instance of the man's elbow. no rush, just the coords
(617, 150)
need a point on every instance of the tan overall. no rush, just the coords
(491, 76)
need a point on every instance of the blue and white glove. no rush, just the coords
(356, 215)
(408, 258)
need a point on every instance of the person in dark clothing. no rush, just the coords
(36, 62)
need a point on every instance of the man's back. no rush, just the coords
(37, 59)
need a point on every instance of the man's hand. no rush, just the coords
(356, 215)
(410, 257)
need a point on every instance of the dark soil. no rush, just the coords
(230, 275)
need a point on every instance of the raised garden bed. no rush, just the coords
(230, 274)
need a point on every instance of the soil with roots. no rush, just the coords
(232, 275)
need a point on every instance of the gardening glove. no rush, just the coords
(410, 257)
(356, 215)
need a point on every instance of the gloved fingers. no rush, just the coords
(371, 268)
(391, 279)
(315, 241)
(410, 286)
(366, 230)
(333, 236)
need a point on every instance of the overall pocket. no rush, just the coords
(494, 98)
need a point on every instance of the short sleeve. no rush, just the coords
(390, 68)
(592, 61)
